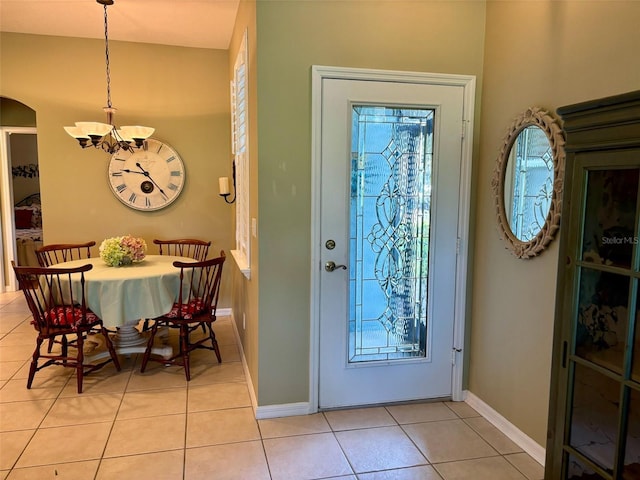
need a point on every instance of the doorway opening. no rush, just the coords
(20, 193)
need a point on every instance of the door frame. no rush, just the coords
(467, 83)
(8, 249)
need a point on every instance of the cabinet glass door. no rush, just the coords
(602, 435)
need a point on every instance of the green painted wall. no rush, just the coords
(292, 36)
(16, 114)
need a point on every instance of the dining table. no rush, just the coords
(122, 296)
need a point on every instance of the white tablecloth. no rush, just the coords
(121, 295)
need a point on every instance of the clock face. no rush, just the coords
(149, 178)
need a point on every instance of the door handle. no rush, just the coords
(331, 266)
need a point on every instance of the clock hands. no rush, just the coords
(138, 186)
(146, 174)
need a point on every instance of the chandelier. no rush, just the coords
(106, 135)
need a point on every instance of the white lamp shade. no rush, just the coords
(124, 136)
(76, 132)
(136, 132)
(223, 184)
(95, 128)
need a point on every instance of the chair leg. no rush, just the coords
(147, 352)
(184, 347)
(112, 351)
(34, 362)
(65, 349)
(80, 360)
(50, 347)
(214, 342)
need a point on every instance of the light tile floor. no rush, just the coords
(128, 425)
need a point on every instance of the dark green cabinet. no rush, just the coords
(594, 424)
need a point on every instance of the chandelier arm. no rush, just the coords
(112, 145)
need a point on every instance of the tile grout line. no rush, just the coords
(264, 448)
(37, 428)
(113, 424)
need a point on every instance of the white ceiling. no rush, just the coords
(189, 23)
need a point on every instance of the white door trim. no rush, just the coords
(8, 249)
(467, 82)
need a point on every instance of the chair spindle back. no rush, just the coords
(63, 252)
(50, 295)
(184, 247)
(200, 287)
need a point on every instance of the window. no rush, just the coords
(240, 150)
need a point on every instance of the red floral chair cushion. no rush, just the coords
(188, 310)
(69, 316)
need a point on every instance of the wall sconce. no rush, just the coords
(224, 185)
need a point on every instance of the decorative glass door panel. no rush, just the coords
(390, 198)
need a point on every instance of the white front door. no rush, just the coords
(389, 222)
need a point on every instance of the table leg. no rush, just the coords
(128, 336)
(127, 340)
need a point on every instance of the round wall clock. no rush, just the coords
(149, 178)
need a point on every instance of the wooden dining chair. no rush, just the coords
(60, 313)
(196, 307)
(184, 247)
(54, 253)
(181, 247)
(63, 252)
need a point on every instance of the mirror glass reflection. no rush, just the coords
(528, 183)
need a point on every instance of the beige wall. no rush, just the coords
(245, 291)
(292, 36)
(545, 54)
(182, 92)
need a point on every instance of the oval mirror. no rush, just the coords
(527, 182)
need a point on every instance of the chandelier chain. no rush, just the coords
(106, 54)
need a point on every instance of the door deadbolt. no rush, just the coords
(330, 244)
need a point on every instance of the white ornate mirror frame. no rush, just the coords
(540, 118)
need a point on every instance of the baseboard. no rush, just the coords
(283, 410)
(245, 367)
(304, 408)
(267, 411)
(516, 435)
